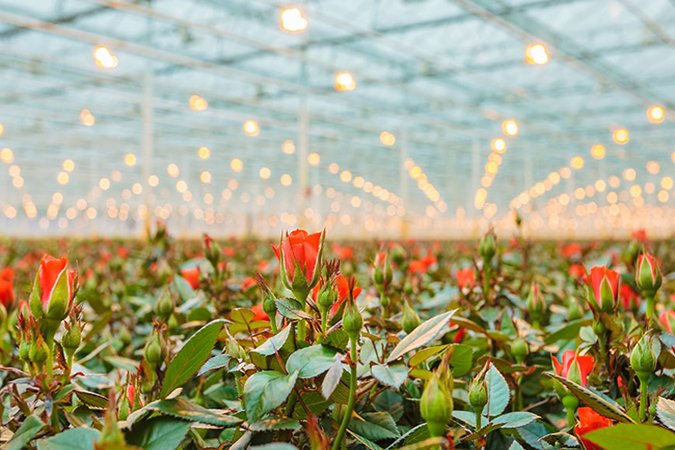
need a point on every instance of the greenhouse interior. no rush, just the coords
(337, 224)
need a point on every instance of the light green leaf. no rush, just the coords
(158, 433)
(26, 432)
(183, 409)
(291, 309)
(332, 378)
(515, 419)
(264, 391)
(498, 393)
(275, 343)
(593, 400)
(426, 332)
(461, 360)
(375, 426)
(217, 362)
(393, 376)
(424, 354)
(665, 410)
(190, 357)
(73, 439)
(271, 423)
(311, 361)
(632, 436)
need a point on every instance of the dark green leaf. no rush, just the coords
(264, 391)
(190, 357)
(461, 360)
(593, 400)
(570, 330)
(26, 432)
(217, 362)
(73, 439)
(375, 426)
(92, 399)
(183, 409)
(498, 393)
(426, 332)
(158, 433)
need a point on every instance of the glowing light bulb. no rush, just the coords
(63, 178)
(2, 129)
(251, 128)
(387, 139)
(656, 114)
(265, 173)
(536, 54)
(344, 81)
(198, 103)
(288, 147)
(598, 151)
(7, 155)
(130, 159)
(620, 136)
(313, 159)
(68, 165)
(292, 19)
(510, 127)
(105, 58)
(498, 145)
(236, 165)
(204, 152)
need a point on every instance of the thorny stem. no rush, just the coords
(353, 357)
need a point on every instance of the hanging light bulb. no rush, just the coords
(292, 19)
(498, 145)
(598, 151)
(510, 127)
(656, 114)
(344, 81)
(387, 139)
(536, 54)
(198, 103)
(87, 118)
(105, 58)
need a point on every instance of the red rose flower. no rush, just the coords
(248, 283)
(577, 271)
(589, 420)
(603, 284)
(574, 367)
(303, 251)
(640, 235)
(343, 253)
(259, 313)
(571, 250)
(6, 287)
(629, 297)
(191, 275)
(52, 271)
(466, 278)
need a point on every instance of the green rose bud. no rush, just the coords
(519, 349)
(410, 318)
(72, 337)
(38, 351)
(488, 246)
(164, 306)
(154, 352)
(352, 322)
(644, 357)
(436, 405)
(478, 396)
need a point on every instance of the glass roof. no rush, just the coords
(210, 116)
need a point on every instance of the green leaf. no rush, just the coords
(367, 443)
(73, 439)
(498, 393)
(665, 411)
(418, 432)
(264, 391)
(516, 446)
(291, 309)
(184, 289)
(424, 354)
(311, 361)
(632, 436)
(92, 399)
(461, 360)
(274, 446)
(515, 419)
(26, 432)
(158, 433)
(217, 362)
(426, 332)
(183, 409)
(393, 376)
(271, 423)
(275, 343)
(570, 330)
(593, 400)
(332, 378)
(190, 357)
(375, 426)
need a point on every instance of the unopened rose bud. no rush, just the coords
(647, 275)
(72, 337)
(644, 357)
(327, 298)
(603, 289)
(154, 351)
(165, 305)
(487, 246)
(352, 322)
(436, 405)
(519, 349)
(270, 306)
(630, 253)
(536, 306)
(410, 318)
(38, 351)
(478, 396)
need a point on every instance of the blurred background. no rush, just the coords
(387, 119)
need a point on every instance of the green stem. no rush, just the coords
(352, 396)
(570, 402)
(571, 420)
(324, 322)
(644, 398)
(486, 280)
(650, 308)
(479, 418)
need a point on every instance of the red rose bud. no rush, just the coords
(577, 271)
(192, 276)
(667, 318)
(589, 420)
(535, 305)
(574, 367)
(629, 298)
(6, 287)
(299, 256)
(603, 289)
(53, 289)
(647, 275)
(466, 278)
